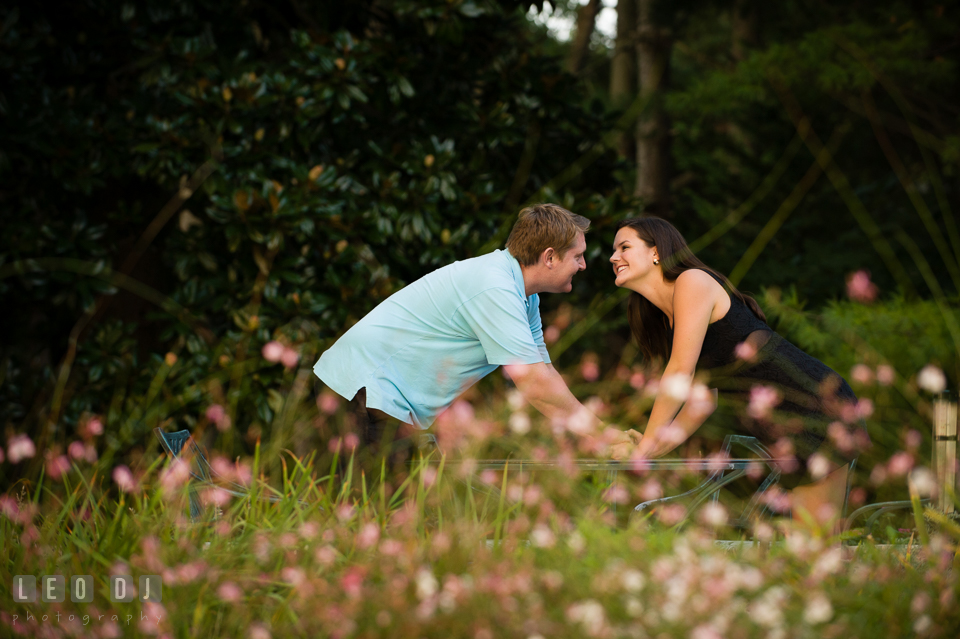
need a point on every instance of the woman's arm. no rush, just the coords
(671, 420)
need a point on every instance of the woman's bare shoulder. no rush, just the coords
(696, 280)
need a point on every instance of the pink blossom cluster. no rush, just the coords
(275, 351)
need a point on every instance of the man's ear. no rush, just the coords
(548, 257)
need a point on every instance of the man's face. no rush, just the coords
(563, 270)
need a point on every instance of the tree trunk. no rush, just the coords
(623, 68)
(586, 20)
(744, 24)
(653, 127)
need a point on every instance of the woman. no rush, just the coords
(687, 315)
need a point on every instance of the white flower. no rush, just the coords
(576, 542)
(818, 610)
(922, 624)
(676, 386)
(426, 584)
(589, 614)
(632, 580)
(519, 423)
(818, 465)
(931, 379)
(713, 515)
(830, 562)
(767, 610)
(542, 537)
(923, 482)
(581, 422)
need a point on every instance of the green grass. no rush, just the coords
(423, 554)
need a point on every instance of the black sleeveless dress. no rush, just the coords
(812, 393)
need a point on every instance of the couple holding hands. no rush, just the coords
(412, 355)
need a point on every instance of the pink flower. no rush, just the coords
(900, 464)
(650, 490)
(293, 576)
(124, 479)
(913, 439)
(590, 369)
(216, 496)
(9, 507)
(192, 571)
(368, 536)
(745, 351)
(616, 494)
(244, 474)
(864, 408)
(309, 530)
(841, 437)
(57, 466)
(258, 631)
(351, 441)
(289, 357)
(328, 402)
(216, 414)
(885, 374)
(90, 453)
(95, 426)
(671, 514)
(776, 499)
(637, 380)
(551, 334)
(20, 447)
(860, 288)
(861, 374)
(230, 592)
(762, 400)
(352, 582)
(705, 631)
(326, 555)
(222, 467)
(75, 449)
(174, 476)
(273, 351)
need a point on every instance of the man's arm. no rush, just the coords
(541, 385)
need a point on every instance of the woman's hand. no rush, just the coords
(699, 405)
(624, 447)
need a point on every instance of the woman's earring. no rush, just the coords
(656, 261)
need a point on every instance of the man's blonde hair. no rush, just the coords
(544, 226)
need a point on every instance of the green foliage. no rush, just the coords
(351, 152)
(320, 556)
(906, 335)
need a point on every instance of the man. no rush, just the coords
(412, 355)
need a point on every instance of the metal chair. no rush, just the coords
(717, 479)
(200, 470)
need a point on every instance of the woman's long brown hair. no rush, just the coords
(648, 324)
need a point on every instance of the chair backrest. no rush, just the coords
(174, 443)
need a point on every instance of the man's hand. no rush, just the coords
(624, 447)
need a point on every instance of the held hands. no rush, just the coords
(623, 448)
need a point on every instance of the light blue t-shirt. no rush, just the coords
(427, 343)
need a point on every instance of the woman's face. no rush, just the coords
(632, 259)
